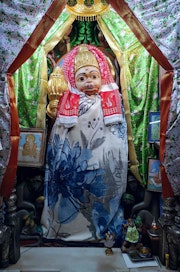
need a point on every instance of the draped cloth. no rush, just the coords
(17, 45)
(110, 103)
(86, 174)
(87, 160)
(165, 49)
(138, 72)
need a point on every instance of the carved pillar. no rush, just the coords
(12, 221)
(166, 220)
(173, 238)
(4, 239)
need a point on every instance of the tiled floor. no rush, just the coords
(72, 259)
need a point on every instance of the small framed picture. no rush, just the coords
(154, 179)
(32, 146)
(154, 127)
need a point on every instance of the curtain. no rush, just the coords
(16, 25)
(31, 78)
(165, 30)
(139, 84)
(161, 20)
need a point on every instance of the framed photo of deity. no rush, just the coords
(32, 145)
(154, 179)
(154, 127)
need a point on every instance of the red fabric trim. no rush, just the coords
(111, 102)
(10, 174)
(166, 89)
(68, 104)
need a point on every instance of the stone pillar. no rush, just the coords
(5, 234)
(165, 221)
(173, 238)
(13, 222)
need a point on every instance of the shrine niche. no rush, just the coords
(133, 65)
(98, 30)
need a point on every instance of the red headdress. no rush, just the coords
(110, 97)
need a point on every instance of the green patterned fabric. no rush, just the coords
(84, 32)
(27, 80)
(143, 87)
(161, 19)
(27, 85)
(18, 20)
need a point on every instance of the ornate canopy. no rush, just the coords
(87, 10)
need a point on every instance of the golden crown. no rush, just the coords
(83, 58)
(87, 10)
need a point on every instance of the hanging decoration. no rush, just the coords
(71, 3)
(87, 10)
(88, 3)
(104, 2)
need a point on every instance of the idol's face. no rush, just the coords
(88, 80)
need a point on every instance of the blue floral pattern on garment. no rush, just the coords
(68, 175)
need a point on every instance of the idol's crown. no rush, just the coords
(83, 58)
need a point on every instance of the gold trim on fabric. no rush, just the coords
(121, 58)
(41, 110)
(60, 33)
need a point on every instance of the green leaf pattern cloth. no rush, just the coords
(143, 89)
(161, 19)
(18, 19)
(28, 80)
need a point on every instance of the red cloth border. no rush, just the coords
(10, 174)
(166, 89)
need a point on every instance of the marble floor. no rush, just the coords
(74, 259)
